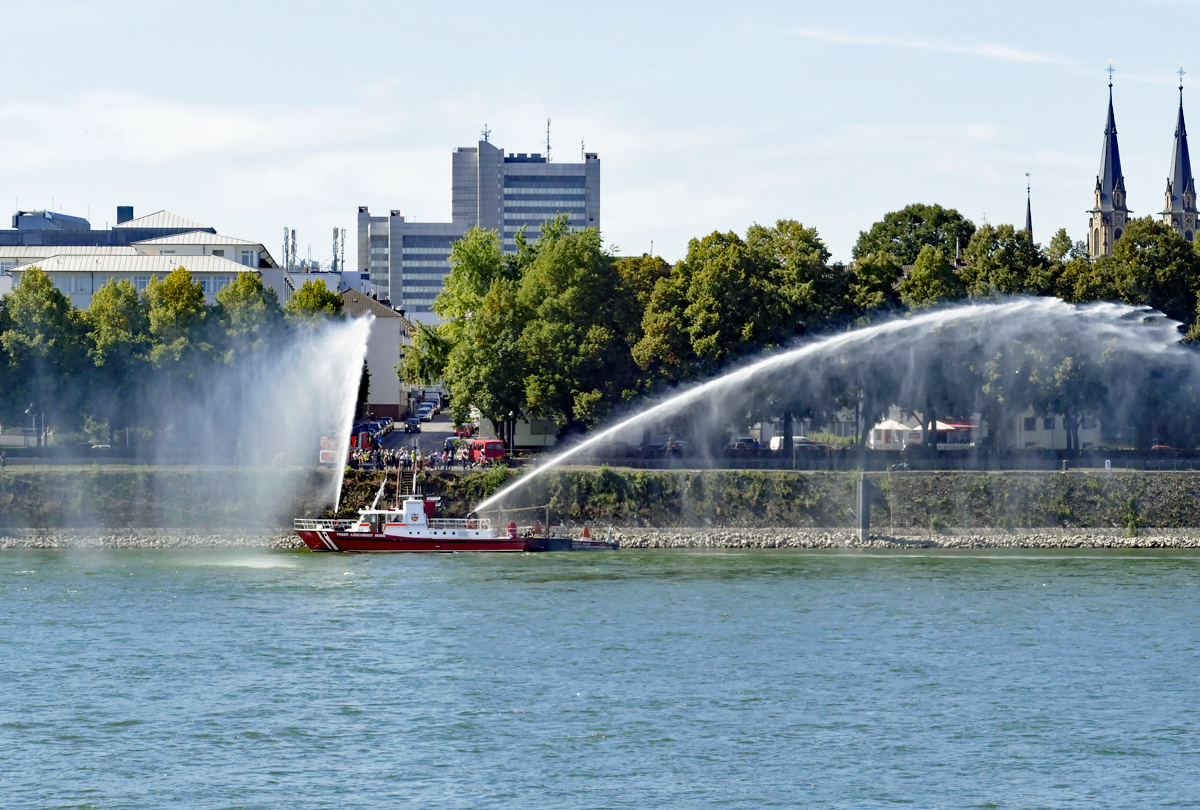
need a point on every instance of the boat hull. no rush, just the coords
(320, 540)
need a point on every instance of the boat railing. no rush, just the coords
(324, 525)
(460, 523)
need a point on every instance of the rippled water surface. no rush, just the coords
(256, 679)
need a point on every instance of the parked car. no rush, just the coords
(464, 431)
(426, 416)
(412, 425)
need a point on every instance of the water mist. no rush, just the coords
(269, 411)
(909, 351)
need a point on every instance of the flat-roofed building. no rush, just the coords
(79, 277)
(489, 189)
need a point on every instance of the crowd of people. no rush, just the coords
(414, 459)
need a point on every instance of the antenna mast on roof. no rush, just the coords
(292, 258)
(486, 133)
(335, 252)
(342, 252)
(547, 140)
(285, 248)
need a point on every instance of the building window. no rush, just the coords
(162, 252)
(1048, 423)
(1031, 423)
(1087, 423)
(248, 258)
(219, 252)
(140, 282)
(1188, 235)
(220, 283)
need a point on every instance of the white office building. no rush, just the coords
(407, 261)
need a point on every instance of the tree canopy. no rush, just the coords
(108, 364)
(903, 233)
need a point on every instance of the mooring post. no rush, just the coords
(864, 509)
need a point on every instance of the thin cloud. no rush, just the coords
(990, 50)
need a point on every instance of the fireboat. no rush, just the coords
(413, 526)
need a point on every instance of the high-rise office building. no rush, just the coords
(489, 189)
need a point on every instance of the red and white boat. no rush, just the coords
(413, 527)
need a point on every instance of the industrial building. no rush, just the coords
(406, 262)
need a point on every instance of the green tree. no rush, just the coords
(120, 350)
(486, 367)
(903, 233)
(1157, 267)
(44, 344)
(177, 314)
(577, 361)
(665, 347)
(475, 262)
(248, 313)
(806, 290)
(873, 280)
(424, 362)
(1002, 259)
(930, 281)
(312, 303)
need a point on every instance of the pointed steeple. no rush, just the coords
(1110, 213)
(1028, 210)
(1110, 182)
(1180, 210)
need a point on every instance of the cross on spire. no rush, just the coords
(1111, 70)
(1180, 72)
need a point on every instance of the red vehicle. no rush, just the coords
(464, 431)
(490, 449)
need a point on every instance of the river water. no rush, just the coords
(280, 679)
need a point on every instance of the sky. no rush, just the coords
(706, 116)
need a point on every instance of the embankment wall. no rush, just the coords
(232, 498)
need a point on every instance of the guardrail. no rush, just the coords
(323, 525)
(484, 524)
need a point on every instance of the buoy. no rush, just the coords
(585, 533)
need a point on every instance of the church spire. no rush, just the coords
(1110, 181)
(1110, 212)
(1180, 210)
(1028, 209)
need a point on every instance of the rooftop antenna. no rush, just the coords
(342, 252)
(285, 248)
(292, 258)
(487, 133)
(582, 153)
(335, 252)
(547, 140)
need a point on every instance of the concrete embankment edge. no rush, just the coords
(679, 538)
